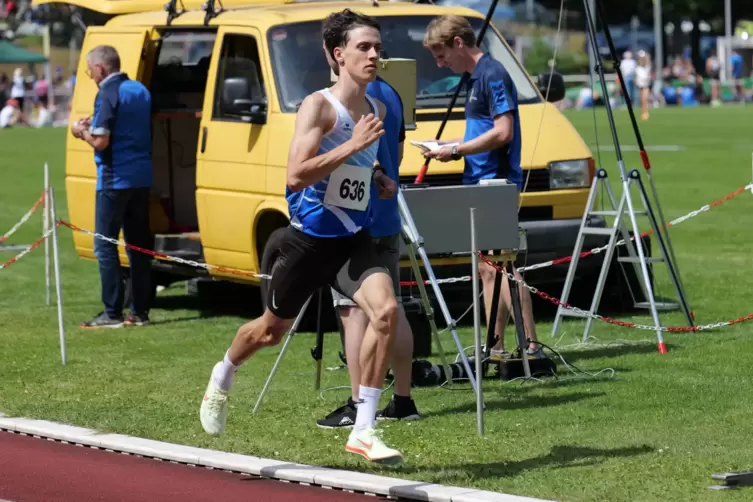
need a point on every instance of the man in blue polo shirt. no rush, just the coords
(491, 145)
(120, 133)
(385, 228)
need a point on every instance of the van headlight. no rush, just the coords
(570, 174)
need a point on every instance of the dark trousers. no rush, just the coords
(127, 209)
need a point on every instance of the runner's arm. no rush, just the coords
(305, 167)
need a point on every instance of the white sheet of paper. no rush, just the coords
(429, 146)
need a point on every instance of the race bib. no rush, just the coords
(349, 187)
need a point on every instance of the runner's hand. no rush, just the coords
(368, 130)
(386, 187)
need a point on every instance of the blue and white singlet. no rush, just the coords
(338, 205)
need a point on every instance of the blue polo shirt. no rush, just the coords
(737, 65)
(385, 214)
(491, 92)
(123, 110)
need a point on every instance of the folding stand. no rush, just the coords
(626, 208)
(517, 311)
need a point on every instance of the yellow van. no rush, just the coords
(226, 83)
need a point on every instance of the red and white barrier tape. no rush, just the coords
(23, 220)
(26, 251)
(621, 242)
(609, 320)
(162, 256)
(533, 290)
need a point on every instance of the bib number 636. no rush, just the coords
(354, 190)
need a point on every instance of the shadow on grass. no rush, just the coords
(559, 457)
(520, 403)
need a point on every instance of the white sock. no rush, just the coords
(223, 375)
(367, 408)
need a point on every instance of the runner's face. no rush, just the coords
(360, 55)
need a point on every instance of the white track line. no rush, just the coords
(256, 466)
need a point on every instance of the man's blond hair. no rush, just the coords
(443, 30)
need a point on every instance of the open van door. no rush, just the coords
(132, 45)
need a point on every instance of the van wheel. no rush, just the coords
(270, 261)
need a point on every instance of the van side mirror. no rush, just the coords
(556, 86)
(237, 101)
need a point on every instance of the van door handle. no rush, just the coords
(203, 139)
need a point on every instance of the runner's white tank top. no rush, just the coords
(338, 205)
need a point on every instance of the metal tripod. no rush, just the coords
(625, 206)
(414, 243)
(662, 230)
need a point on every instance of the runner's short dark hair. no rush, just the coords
(336, 27)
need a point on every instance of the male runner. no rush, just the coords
(385, 228)
(330, 171)
(491, 146)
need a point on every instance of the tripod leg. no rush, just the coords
(291, 332)
(428, 308)
(492, 321)
(417, 241)
(519, 322)
(317, 352)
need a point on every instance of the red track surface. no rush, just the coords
(35, 469)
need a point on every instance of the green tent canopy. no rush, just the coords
(12, 54)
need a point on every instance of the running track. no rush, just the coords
(35, 470)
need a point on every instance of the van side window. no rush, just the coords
(240, 82)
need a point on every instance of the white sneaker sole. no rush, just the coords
(392, 461)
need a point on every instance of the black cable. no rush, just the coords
(567, 364)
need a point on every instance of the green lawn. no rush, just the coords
(657, 430)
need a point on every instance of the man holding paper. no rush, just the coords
(491, 145)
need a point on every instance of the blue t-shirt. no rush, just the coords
(123, 109)
(491, 92)
(737, 65)
(385, 220)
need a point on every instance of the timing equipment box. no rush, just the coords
(401, 74)
(442, 217)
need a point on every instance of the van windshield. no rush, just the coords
(300, 67)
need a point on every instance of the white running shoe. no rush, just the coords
(369, 444)
(214, 407)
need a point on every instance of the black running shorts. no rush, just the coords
(308, 263)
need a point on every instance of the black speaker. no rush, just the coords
(419, 324)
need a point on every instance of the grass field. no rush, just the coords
(655, 431)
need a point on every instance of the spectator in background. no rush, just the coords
(44, 113)
(736, 61)
(4, 87)
(643, 82)
(713, 69)
(41, 89)
(18, 89)
(627, 67)
(10, 114)
(120, 133)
